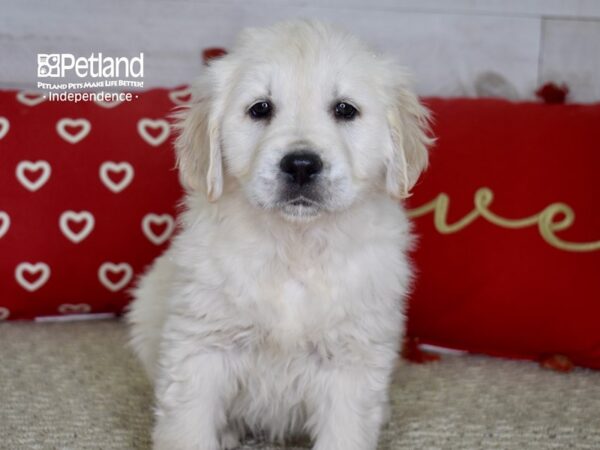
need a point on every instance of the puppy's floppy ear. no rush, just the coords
(198, 145)
(409, 126)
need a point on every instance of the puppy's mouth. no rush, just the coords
(300, 208)
(302, 201)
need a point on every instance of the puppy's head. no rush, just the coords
(304, 119)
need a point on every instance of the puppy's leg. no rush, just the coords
(350, 414)
(193, 390)
(146, 314)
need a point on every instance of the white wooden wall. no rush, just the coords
(447, 44)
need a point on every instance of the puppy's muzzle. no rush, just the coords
(301, 168)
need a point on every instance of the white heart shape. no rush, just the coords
(76, 237)
(177, 97)
(79, 308)
(30, 98)
(42, 268)
(4, 223)
(73, 137)
(110, 166)
(4, 126)
(144, 124)
(33, 185)
(4, 313)
(155, 219)
(114, 286)
(109, 104)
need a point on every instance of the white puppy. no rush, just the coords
(278, 308)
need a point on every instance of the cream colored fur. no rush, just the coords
(280, 319)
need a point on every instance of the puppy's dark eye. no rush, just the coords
(261, 110)
(344, 111)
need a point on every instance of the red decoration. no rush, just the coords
(88, 194)
(508, 291)
(212, 53)
(553, 94)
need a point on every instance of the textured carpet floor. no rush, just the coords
(75, 386)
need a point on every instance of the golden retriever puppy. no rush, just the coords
(278, 308)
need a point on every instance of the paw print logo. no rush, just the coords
(48, 65)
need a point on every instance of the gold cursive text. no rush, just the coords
(555, 217)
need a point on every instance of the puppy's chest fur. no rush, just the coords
(295, 308)
(318, 293)
(290, 298)
(285, 307)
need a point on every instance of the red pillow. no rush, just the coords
(87, 200)
(510, 283)
(85, 205)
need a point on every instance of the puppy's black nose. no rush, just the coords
(302, 167)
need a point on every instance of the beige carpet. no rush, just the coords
(75, 386)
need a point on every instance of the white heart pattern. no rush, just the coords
(4, 223)
(29, 166)
(4, 313)
(182, 96)
(161, 220)
(125, 271)
(73, 136)
(79, 308)
(144, 125)
(40, 270)
(30, 98)
(76, 236)
(109, 104)
(4, 126)
(109, 167)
